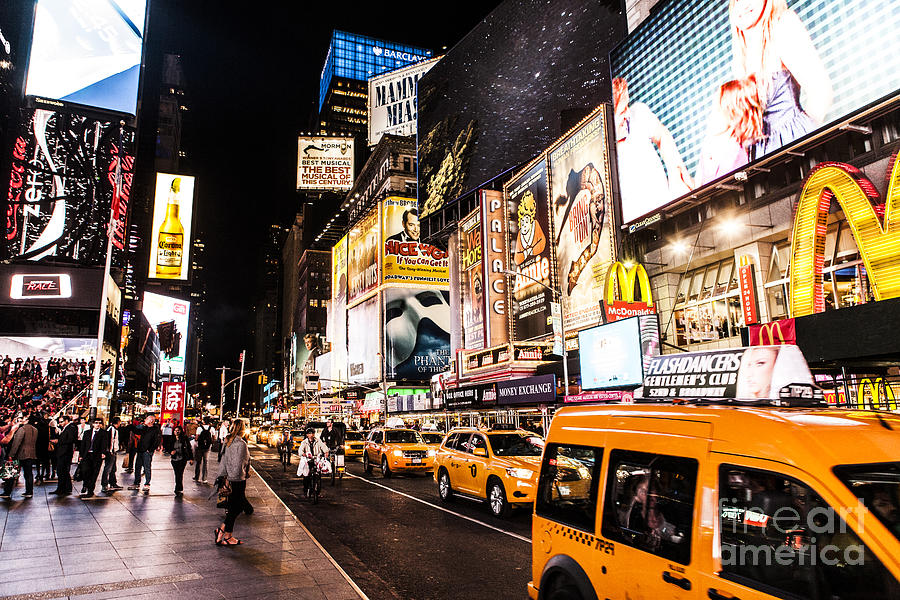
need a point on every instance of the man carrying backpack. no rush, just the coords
(201, 452)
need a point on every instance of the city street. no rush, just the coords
(395, 539)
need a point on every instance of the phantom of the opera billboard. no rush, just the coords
(530, 253)
(416, 332)
(63, 187)
(173, 213)
(324, 164)
(407, 260)
(393, 107)
(583, 221)
(748, 80)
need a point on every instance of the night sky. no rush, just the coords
(252, 75)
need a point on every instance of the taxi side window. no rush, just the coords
(567, 489)
(452, 441)
(376, 436)
(650, 503)
(477, 441)
(778, 535)
(465, 443)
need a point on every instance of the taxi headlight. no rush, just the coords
(398, 452)
(520, 473)
(432, 452)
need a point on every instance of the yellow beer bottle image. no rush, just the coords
(170, 244)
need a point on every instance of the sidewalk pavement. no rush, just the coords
(137, 546)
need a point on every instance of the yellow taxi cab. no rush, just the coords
(396, 450)
(354, 444)
(262, 434)
(433, 438)
(720, 500)
(499, 466)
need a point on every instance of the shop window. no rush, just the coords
(683, 286)
(776, 299)
(567, 490)
(696, 286)
(735, 316)
(725, 277)
(650, 503)
(708, 283)
(778, 535)
(680, 328)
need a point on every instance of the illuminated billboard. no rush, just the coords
(616, 355)
(746, 82)
(393, 107)
(405, 259)
(88, 52)
(530, 253)
(336, 325)
(62, 187)
(30, 285)
(173, 211)
(471, 277)
(583, 222)
(324, 164)
(169, 318)
(416, 332)
(363, 351)
(362, 264)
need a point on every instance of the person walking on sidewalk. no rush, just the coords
(146, 446)
(42, 447)
(94, 446)
(203, 438)
(108, 480)
(224, 428)
(65, 449)
(235, 468)
(22, 449)
(181, 453)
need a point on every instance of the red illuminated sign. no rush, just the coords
(747, 281)
(172, 403)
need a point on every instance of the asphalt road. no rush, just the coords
(396, 539)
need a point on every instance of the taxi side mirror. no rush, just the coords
(480, 452)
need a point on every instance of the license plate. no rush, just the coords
(417, 461)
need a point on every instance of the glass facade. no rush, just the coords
(361, 57)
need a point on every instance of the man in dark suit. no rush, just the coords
(411, 227)
(65, 448)
(94, 445)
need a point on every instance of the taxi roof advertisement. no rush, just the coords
(758, 372)
(583, 219)
(727, 98)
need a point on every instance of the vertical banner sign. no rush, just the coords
(120, 175)
(556, 315)
(362, 265)
(472, 281)
(172, 405)
(416, 332)
(406, 259)
(747, 282)
(337, 321)
(173, 210)
(495, 262)
(530, 253)
(581, 201)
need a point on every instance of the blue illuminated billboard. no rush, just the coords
(615, 355)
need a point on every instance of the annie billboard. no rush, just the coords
(748, 80)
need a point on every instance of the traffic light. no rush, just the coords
(265, 379)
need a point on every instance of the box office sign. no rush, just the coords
(475, 396)
(530, 390)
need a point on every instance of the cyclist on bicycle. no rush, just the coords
(331, 436)
(286, 446)
(311, 448)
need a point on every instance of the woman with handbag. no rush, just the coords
(234, 469)
(180, 452)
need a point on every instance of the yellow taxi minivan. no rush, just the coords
(718, 501)
(499, 466)
(397, 450)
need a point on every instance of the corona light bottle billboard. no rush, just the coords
(171, 233)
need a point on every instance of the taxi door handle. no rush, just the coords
(681, 582)
(715, 595)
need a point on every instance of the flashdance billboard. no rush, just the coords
(416, 332)
(362, 342)
(583, 221)
(747, 80)
(173, 211)
(88, 52)
(169, 318)
(324, 164)
(362, 266)
(406, 260)
(529, 250)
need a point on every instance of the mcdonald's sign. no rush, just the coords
(886, 401)
(878, 238)
(774, 333)
(747, 280)
(619, 301)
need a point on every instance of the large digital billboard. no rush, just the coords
(406, 260)
(173, 211)
(362, 265)
(393, 107)
(88, 52)
(169, 318)
(324, 164)
(519, 80)
(617, 354)
(29, 286)
(62, 187)
(530, 253)
(583, 220)
(748, 79)
(416, 332)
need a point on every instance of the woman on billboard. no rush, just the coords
(765, 370)
(771, 42)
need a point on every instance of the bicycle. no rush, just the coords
(284, 455)
(336, 458)
(315, 487)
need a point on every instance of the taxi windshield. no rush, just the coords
(403, 437)
(354, 436)
(516, 444)
(878, 487)
(433, 438)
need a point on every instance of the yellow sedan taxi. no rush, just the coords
(499, 466)
(354, 444)
(397, 450)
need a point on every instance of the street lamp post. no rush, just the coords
(562, 323)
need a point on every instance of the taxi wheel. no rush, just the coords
(385, 469)
(564, 590)
(497, 499)
(444, 489)
(367, 466)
